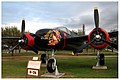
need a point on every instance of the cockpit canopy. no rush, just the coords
(71, 33)
(64, 29)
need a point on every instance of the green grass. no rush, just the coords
(13, 68)
(82, 68)
(72, 66)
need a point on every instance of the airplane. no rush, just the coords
(61, 38)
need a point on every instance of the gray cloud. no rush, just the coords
(108, 17)
(69, 14)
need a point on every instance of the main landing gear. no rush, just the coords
(52, 67)
(50, 62)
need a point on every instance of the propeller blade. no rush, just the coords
(36, 51)
(83, 46)
(23, 27)
(111, 44)
(14, 47)
(96, 19)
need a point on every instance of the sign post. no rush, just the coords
(33, 68)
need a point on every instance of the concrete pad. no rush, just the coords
(99, 67)
(52, 75)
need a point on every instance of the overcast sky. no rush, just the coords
(72, 15)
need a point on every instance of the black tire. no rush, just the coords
(43, 58)
(50, 66)
(102, 61)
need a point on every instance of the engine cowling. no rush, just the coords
(98, 42)
(27, 40)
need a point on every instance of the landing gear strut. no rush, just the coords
(51, 64)
(52, 67)
(100, 61)
(44, 57)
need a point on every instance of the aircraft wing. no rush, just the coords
(81, 39)
(85, 37)
(11, 37)
(77, 39)
(113, 34)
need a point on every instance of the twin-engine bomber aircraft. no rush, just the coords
(63, 39)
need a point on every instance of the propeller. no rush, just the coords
(96, 19)
(22, 32)
(26, 41)
(98, 37)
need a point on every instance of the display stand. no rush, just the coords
(100, 62)
(56, 74)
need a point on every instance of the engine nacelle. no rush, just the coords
(28, 40)
(98, 43)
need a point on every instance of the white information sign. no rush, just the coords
(35, 58)
(34, 64)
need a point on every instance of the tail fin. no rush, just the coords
(83, 29)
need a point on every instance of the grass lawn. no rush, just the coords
(73, 66)
(81, 67)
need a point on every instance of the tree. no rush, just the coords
(8, 31)
(80, 32)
